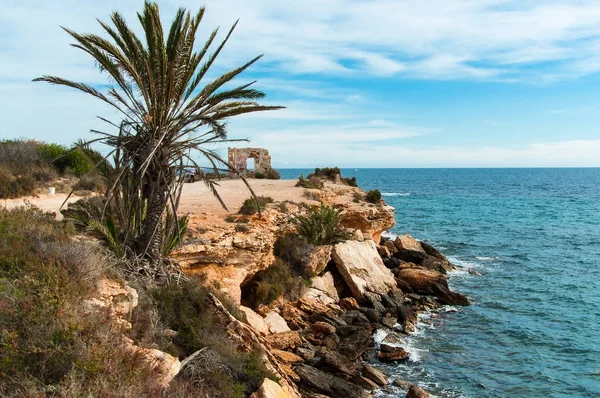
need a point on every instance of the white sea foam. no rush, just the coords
(379, 335)
(395, 194)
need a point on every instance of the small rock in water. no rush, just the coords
(375, 375)
(473, 272)
(393, 356)
(403, 384)
(393, 338)
(416, 392)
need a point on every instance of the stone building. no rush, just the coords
(238, 158)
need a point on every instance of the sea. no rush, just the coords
(533, 234)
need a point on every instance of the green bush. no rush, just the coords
(251, 206)
(223, 371)
(321, 226)
(268, 285)
(373, 196)
(74, 161)
(310, 183)
(15, 187)
(292, 249)
(49, 344)
(273, 174)
(259, 175)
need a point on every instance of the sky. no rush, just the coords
(379, 83)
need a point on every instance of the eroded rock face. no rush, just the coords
(316, 261)
(257, 322)
(276, 323)
(326, 284)
(372, 220)
(362, 268)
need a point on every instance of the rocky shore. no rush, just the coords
(317, 344)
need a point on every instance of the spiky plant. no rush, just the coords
(169, 114)
(321, 226)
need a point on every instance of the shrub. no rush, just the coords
(259, 175)
(357, 197)
(65, 160)
(11, 187)
(330, 173)
(373, 196)
(292, 249)
(251, 206)
(310, 183)
(321, 226)
(273, 174)
(48, 345)
(268, 285)
(221, 370)
(93, 183)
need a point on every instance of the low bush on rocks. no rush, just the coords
(251, 205)
(273, 174)
(310, 183)
(220, 370)
(49, 344)
(373, 196)
(268, 285)
(321, 226)
(330, 173)
(259, 175)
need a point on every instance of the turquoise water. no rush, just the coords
(534, 234)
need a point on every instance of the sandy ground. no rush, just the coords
(196, 197)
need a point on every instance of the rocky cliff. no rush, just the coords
(316, 342)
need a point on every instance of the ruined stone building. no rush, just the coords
(238, 158)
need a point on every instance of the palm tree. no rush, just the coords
(169, 115)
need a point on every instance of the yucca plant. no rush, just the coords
(169, 114)
(321, 226)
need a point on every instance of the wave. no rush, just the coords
(395, 194)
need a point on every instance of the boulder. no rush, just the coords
(276, 323)
(362, 268)
(270, 389)
(323, 327)
(336, 361)
(393, 356)
(416, 392)
(312, 294)
(393, 338)
(432, 251)
(383, 251)
(285, 340)
(392, 249)
(375, 375)
(354, 341)
(433, 283)
(286, 356)
(326, 284)
(411, 256)
(365, 383)
(407, 242)
(256, 321)
(371, 220)
(316, 261)
(314, 380)
(295, 318)
(349, 303)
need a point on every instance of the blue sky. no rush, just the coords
(380, 83)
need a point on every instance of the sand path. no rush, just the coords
(196, 197)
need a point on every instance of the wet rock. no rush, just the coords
(393, 338)
(416, 392)
(362, 268)
(392, 262)
(403, 384)
(408, 318)
(393, 356)
(411, 256)
(388, 321)
(375, 375)
(432, 283)
(473, 272)
(432, 251)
